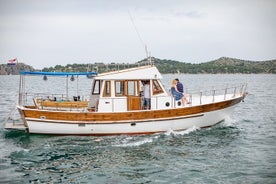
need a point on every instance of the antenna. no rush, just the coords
(139, 36)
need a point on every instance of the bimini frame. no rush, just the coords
(45, 74)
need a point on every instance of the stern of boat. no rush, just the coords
(15, 121)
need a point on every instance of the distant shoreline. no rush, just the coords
(223, 65)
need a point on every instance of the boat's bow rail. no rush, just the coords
(216, 94)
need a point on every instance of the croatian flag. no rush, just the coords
(12, 61)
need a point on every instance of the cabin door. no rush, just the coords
(133, 98)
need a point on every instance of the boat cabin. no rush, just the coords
(123, 90)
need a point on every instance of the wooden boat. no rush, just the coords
(116, 107)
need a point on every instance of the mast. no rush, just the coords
(141, 40)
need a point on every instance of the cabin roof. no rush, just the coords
(140, 73)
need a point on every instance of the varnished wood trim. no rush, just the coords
(128, 116)
(63, 104)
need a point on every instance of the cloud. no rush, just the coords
(44, 33)
(190, 14)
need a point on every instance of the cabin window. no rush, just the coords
(96, 87)
(131, 88)
(156, 87)
(107, 89)
(119, 88)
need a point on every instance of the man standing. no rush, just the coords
(147, 95)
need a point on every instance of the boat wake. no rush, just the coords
(182, 132)
(138, 141)
(229, 122)
(133, 142)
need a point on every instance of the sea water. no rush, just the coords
(242, 149)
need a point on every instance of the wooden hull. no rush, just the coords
(131, 122)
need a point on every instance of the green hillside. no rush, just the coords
(221, 65)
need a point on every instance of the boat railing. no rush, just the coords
(216, 93)
(55, 101)
(62, 102)
(197, 98)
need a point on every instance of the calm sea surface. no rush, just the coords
(242, 149)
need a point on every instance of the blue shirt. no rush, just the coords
(180, 87)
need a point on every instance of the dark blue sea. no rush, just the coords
(242, 149)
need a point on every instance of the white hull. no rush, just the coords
(80, 128)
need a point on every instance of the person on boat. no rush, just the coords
(177, 94)
(147, 95)
(180, 88)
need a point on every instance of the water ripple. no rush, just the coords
(239, 150)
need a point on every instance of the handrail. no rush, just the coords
(197, 98)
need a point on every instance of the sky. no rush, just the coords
(44, 33)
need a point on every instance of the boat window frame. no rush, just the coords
(96, 85)
(156, 87)
(135, 86)
(122, 88)
(107, 89)
(131, 87)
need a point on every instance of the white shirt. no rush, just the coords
(147, 91)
